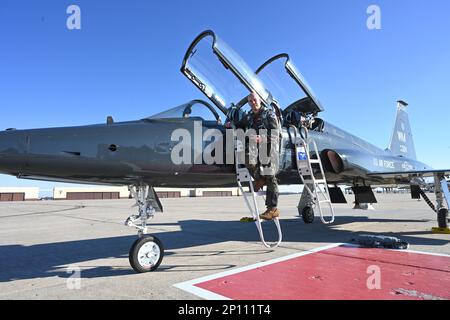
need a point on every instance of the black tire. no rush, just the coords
(443, 218)
(134, 254)
(308, 215)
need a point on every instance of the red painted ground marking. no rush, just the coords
(340, 273)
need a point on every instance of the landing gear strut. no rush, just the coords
(147, 251)
(443, 218)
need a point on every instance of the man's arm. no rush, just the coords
(273, 130)
(272, 120)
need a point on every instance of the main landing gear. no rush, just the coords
(442, 196)
(147, 251)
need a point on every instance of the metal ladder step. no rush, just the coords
(258, 194)
(316, 181)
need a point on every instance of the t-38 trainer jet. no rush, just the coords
(140, 153)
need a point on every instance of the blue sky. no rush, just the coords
(125, 61)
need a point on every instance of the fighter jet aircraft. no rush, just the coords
(140, 153)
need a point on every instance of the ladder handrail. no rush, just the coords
(305, 143)
(325, 193)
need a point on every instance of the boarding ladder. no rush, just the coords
(243, 176)
(316, 186)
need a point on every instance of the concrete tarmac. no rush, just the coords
(44, 244)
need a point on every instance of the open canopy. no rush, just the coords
(287, 85)
(220, 73)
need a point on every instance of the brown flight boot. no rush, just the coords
(270, 214)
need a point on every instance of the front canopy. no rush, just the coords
(220, 73)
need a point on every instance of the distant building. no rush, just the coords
(108, 193)
(19, 194)
(90, 193)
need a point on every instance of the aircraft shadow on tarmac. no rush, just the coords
(48, 260)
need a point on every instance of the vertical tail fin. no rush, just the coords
(402, 143)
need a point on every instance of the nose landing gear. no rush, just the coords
(147, 251)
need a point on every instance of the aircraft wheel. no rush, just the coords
(308, 215)
(443, 218)
(146, 254)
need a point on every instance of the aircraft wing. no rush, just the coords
(406, 174)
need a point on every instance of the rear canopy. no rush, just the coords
(287, 85)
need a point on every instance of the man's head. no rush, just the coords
(255, 102)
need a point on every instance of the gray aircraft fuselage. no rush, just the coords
(139, 152)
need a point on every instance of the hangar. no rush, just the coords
(111, 193)
(90, 193)
(18, 194)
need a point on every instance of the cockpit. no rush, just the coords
(224, 77)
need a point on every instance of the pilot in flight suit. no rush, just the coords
(261, 117)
